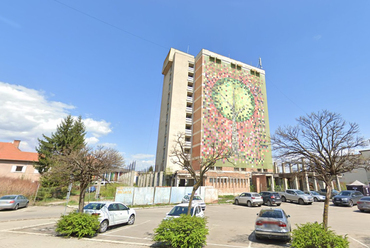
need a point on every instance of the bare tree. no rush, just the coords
(182, 158)
(326, 143)
(82, 165)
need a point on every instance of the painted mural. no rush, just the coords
(235, 111)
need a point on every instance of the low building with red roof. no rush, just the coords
(17, 164)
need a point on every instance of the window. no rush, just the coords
(212, 59)
(238, 67)
(218, 61)
(218, 168)
(257, 74)
(243, 169)
(18, 168)
(236, 169)
(211, 180)
(232, 65)
(259, 170)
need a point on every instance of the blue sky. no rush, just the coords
(103, 59)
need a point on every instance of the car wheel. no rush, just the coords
(257, 237)
(236, 202)
(26, 205)
(362, 210)
(103, 226)
(278, 204)
(350, 203)
(300, 201)
(249, 204)
(16, 207)
(283, 199)
(131, 220)
(315, 199)
(268, 203)
(336, 204)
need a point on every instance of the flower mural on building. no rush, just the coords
(234, 101)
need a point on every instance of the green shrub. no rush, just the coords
(314, 235)
(78, 224)
(185, 231)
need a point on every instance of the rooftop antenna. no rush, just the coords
(187, 50)
(260, 63)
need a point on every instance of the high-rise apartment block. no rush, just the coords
(212, 99)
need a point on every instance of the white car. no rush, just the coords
(110, 213)
(196, 199)
(182, 208)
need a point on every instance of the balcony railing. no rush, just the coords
(188, 121)
(190, 79)
(187, 132)
(190, 89)
(189, 99)
(187, 144)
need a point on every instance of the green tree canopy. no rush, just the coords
(69, 136)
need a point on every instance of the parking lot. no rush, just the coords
(229, 226)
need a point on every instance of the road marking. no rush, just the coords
(228, 245)
(125, 227)
(128, 237)
(18, 228)
(359, 242)
(117, 242)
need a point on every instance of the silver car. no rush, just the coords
(364, 204)
(272, 223)
(196, 199)
(316, 196)
(182, 208)
(13, 202)
(110, 213)
(249, 198)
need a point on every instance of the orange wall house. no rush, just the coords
(17, 164)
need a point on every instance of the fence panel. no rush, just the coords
(144, 196)
(162, 195)
(125, 195)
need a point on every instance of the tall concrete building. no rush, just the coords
(212, 99)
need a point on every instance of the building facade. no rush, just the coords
(15, 163)
(215, 100)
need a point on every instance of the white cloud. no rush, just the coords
(143, 161)
(26, 114)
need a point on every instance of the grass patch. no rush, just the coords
(226, 199)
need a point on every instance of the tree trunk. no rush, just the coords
(195, 188)
(326, 204)
(81, 200)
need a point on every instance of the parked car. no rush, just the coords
(249, 198)
(269, 198)
(296, 195)
(91, 189)
(316, 196)
(182, 208)
(333, 192)
(110, 213)
(13, 202)
(196, 199)
(347, 197)
(364, 204)
(272, 223)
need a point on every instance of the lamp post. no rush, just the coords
(68, 193)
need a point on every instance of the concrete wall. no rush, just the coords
(161, 195)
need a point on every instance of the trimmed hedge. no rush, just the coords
(314, 235)
(78, 224)
(185, 231)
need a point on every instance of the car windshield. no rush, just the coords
(365, 199)
(345, 193)
(271, 214)
(8, 197)
(197, 198)
(256, 195)
(276, 194)
(299, 192)
(314, 193)
(94, 206)
(176, 211)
